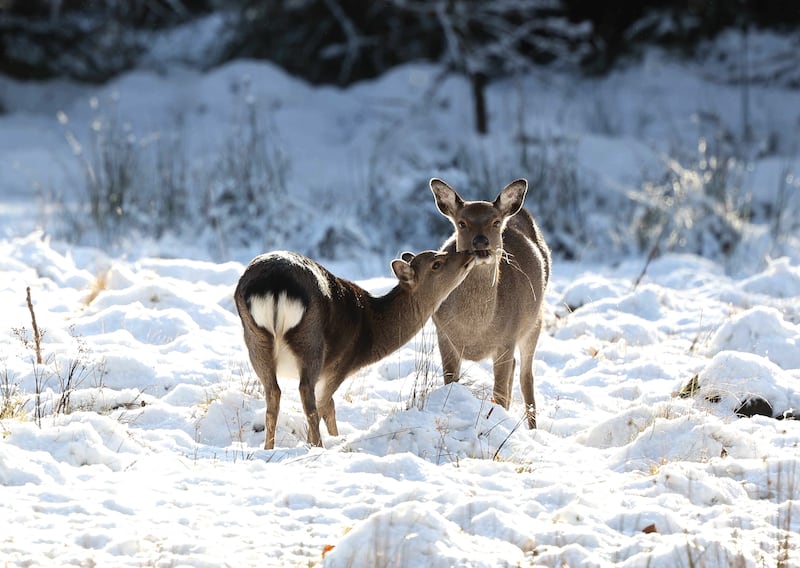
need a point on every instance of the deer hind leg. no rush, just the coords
(504, 365)
(263, 360)
(451, 358)
(272, 394)
(527, 351)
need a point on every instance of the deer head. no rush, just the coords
(479, 225)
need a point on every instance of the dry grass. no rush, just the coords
(99, 284)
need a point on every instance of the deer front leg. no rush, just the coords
(308, 378)
(451, 358)
(527, 351)
(328, 413)
(504, 365)
(326, 407)
(530, 401)
(526, 386)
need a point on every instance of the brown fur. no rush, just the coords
(499, 306)
(342, 328)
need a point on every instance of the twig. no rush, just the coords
(654, 251)
(37, 338)
(496, 455)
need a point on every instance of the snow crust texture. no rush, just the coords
(157, 459)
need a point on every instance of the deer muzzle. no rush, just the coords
(480, 248)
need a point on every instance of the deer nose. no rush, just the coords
(480, 242)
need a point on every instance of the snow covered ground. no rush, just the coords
(158, 459)
(146, 445)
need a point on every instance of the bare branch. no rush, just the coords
(37, 338)
(353, 39)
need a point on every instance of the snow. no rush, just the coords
(158, 459)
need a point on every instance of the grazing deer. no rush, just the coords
(302, 322)
(499, 305)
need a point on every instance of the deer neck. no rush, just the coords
(479, 291)
(396, 317)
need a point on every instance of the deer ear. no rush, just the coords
(407, 256)
(512, 197)
(447, 200)
(403, 271)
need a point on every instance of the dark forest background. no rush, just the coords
(342, 41)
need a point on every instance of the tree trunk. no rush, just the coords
(479, 82)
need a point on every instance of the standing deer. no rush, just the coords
(499, 305)
(302, 322)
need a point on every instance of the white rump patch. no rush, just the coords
(278, 314)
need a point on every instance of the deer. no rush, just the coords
(302, 322)
(498, 308)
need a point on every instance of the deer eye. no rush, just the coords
(436, 265)
(497, 224)
(462, 225)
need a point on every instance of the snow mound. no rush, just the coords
(592, 288)
(83, 439)
(733, 377)
(761, 331)
(414, 533)
(453, 424)
(780, 280)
